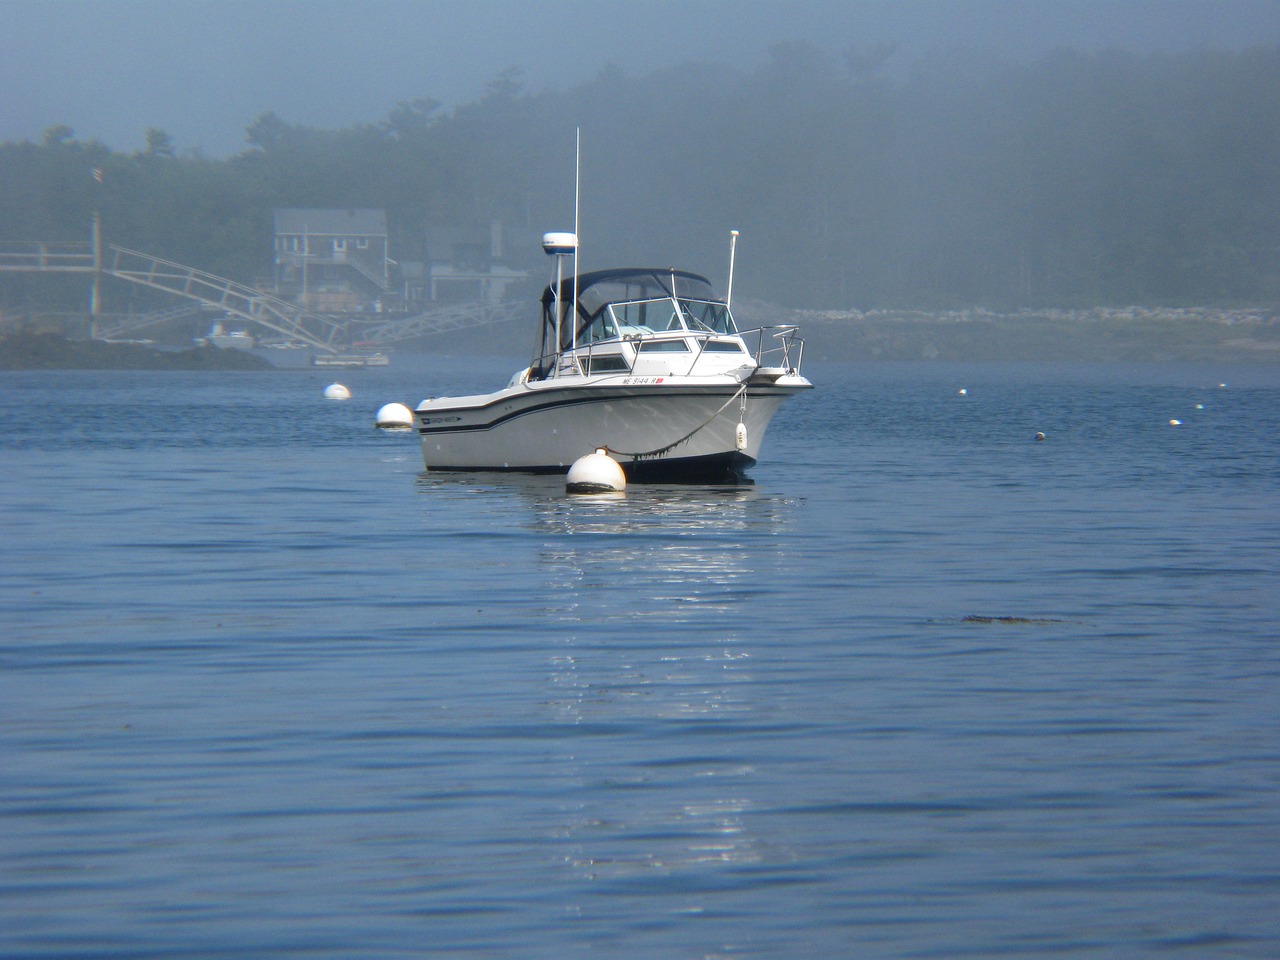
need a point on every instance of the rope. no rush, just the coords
(671, 446)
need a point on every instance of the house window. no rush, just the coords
(362, 243)
(340, 245)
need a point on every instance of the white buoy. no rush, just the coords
(1175, 423)
(1039, 436)
(964, 392)
(740, 436)
(336, 391)
(393, 416)
(596, 473)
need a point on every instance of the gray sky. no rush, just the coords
(202, 70)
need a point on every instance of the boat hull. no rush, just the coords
(669, 429)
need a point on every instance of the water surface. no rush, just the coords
(929, 688)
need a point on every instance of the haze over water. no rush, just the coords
(203, 71)
(928, 688)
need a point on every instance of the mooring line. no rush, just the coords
(671, 446)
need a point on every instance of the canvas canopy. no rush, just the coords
(599, 289)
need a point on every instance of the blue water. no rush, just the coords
(930, 688)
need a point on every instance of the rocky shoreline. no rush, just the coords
(26, 350)
(1095, 335)
(1101, 334)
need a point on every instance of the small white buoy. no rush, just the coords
(336, 391)
(740, 436)
(1039, 436)
(1199, 406)
(964, 392)
(596, 473)
(393, 416)
(1175, 423)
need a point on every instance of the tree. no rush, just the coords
(57, 135)
(266, 132)
(158, 143)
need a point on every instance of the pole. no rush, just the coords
(733, 246)
(306, 259)
(555, 354)
(95, 296)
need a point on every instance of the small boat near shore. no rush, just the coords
(646, 364)
(218, 336)
(350, 360)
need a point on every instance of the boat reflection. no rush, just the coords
(643, 607)
(654, 596)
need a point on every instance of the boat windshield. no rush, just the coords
(640, 317)
(643, 316)
(708, 315)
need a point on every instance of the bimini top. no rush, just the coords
(600, 288)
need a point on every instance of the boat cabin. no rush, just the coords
(642, 321)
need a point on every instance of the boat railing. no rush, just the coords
(549, 366)
(778, 347)
(785, 352)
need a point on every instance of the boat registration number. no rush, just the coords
(631, 380)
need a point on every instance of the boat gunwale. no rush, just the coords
(573, 395)
(714, 469)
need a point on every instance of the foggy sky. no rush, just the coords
(203, 70)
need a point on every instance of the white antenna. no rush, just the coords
(577, 180)
(733, 247)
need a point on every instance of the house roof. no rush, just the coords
(337, 223)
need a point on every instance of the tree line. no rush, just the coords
(1075, 179)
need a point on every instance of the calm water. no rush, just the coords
(930, 688)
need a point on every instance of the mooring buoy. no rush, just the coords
(393, 416)
(596, 473)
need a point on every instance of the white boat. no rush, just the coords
(226, 339)
(645, 364)
(350, 360)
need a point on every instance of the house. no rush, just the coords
(339, 261)
(332, 261)
(471, 264)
